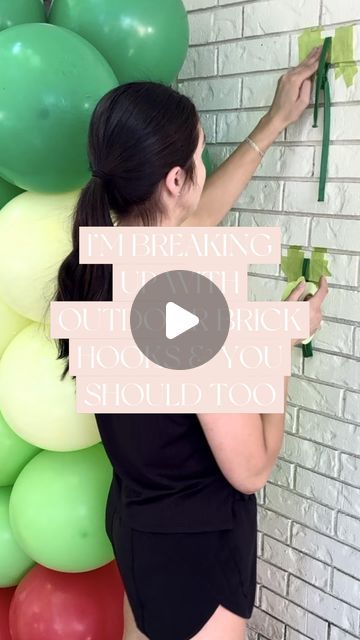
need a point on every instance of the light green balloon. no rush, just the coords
(15, 453)
(11, 323)
(51, 81)
(35, 237)
(142, 40)
(14, 562)
(57, 509)
(39, 406)
(14, 12)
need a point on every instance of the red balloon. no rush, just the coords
(54, 605)
(5, 599)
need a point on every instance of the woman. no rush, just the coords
(181, 512)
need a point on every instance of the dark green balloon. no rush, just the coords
(142, 39)
(50, 81)
(7, 192)
(207, 162)
(14, 12)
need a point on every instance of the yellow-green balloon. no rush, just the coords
(35, 237)
(39, 407)
(14, 12)
(57, 509)
(7, 192)
(141, 40)
(14, 562)
(10, 324)
(15, 453)
(51, 81)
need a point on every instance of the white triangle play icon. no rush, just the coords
(178, 320)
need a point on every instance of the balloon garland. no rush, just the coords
(58, 576)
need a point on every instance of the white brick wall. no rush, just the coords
(309, 511)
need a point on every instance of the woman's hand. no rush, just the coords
(315, 305)
(224, 187)
(293, 92)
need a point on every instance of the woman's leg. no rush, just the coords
(222, 624)
(131, 631)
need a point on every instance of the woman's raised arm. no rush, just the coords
(224, 186)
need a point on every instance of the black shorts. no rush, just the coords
(175, 581)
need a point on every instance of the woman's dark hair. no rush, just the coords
(138, 132)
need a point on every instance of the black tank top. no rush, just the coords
(165, 476)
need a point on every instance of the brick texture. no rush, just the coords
(308, 582)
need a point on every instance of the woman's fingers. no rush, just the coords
(306, 68)
(296, 293)
(322, 291)
(305, 92)
(293, 90)
(313, 55)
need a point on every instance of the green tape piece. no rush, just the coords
(342, 54)
(318, 265)
(295, 265)
(342, 50)
(347, 71)
(343, 45)
(292, 263)
(309, 39)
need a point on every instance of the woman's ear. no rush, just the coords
(174, 181)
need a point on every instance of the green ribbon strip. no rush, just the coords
(295, 266)
(322, 84)
(306, 346)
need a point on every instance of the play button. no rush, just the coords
(179, 319)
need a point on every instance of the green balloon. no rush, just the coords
(43, 134)
(207, 162)
(14, 12)
(57, 509)
(15, 453)
(7, 192)
(14, 562)
(141, 40)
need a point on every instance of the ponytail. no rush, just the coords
(77, 281)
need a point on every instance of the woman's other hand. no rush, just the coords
(315, 302)
(293, 92)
